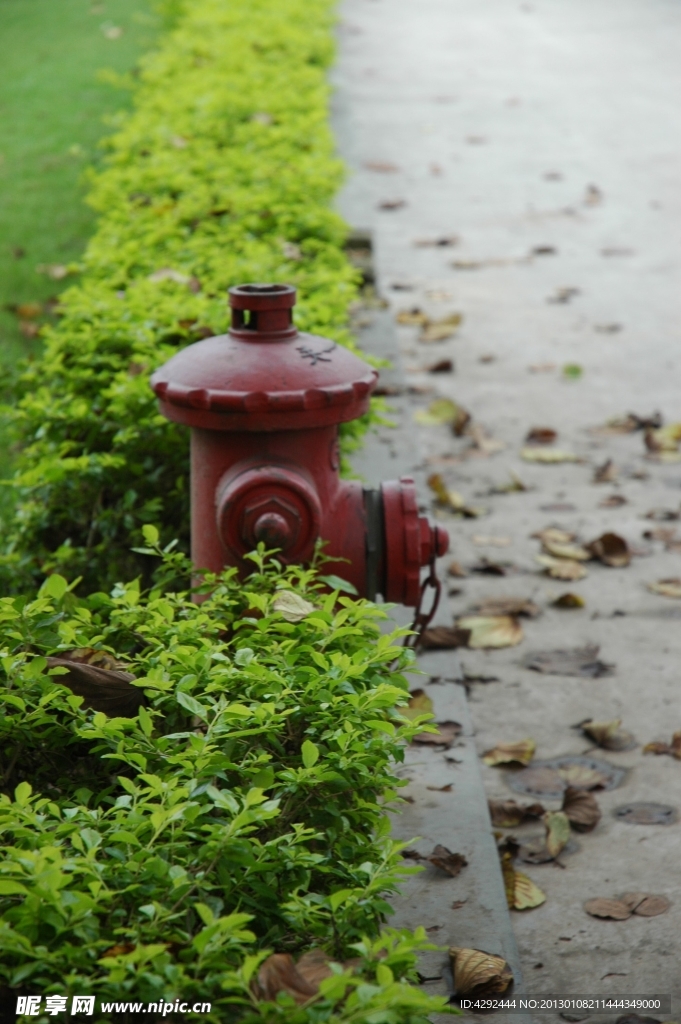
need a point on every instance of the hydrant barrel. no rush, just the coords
(264, 403)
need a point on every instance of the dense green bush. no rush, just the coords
(240, 811)
(223, 173)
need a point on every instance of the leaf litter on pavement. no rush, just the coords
(608, 735)
(520, 752)
(477, 973)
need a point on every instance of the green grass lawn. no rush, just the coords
(53, 102)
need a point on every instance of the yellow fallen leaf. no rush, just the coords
(666, 588)
(291, 606)
(412, 317)
(562, 568)
(574, 552)
(557, 831)
(548, 455)
(442, 411)
(419, 704)
(440, 330)
(521, 752)
(487, 540)
(492, 630)
(521, 892)
(552, 535)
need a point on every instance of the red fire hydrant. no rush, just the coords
(264, 403)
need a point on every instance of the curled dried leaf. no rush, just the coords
(444, 736)
(606, 473)
(291, 606)
(444, 638)
(581, 809)
(445, 860)
(491, 631)
(608, 735)
(574, 552)
(509, 813)
(521, 752)
(673, 748)
(611, 549)
(477, 973)
(106, 689)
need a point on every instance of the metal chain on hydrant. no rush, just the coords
(423, 619)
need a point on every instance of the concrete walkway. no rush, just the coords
(516, 127)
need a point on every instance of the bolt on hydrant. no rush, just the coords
(264, 403)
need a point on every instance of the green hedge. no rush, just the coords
(223, 173)
(240, 811)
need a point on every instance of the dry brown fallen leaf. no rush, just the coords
(610, 549)
(548, 455)
(489, 568)
(381, 166)
(608, 735)
(521, 891)
(581, 809)
(557, 831)
(601, 906)
(441, 241)
(507, 606)
(98, 677)
(278, 973)
(541, 435)
(509, 813)
(440, 330)
(663, 441)
(673, 748)
(490, 541)
(574, 661)
(613, 501)
(457, 570)
(670, 587)
(520, 752)
(645, 904)
(441, 366)
(444, 638)
(392, 204)
(606, 473)
(445, 860)
(477, 973)
(491, 631)
(569, 600)
(622, 908)
(562, 568)
(445, 735)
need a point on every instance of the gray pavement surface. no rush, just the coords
(555, 125)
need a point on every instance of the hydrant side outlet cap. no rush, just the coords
(264, 375)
